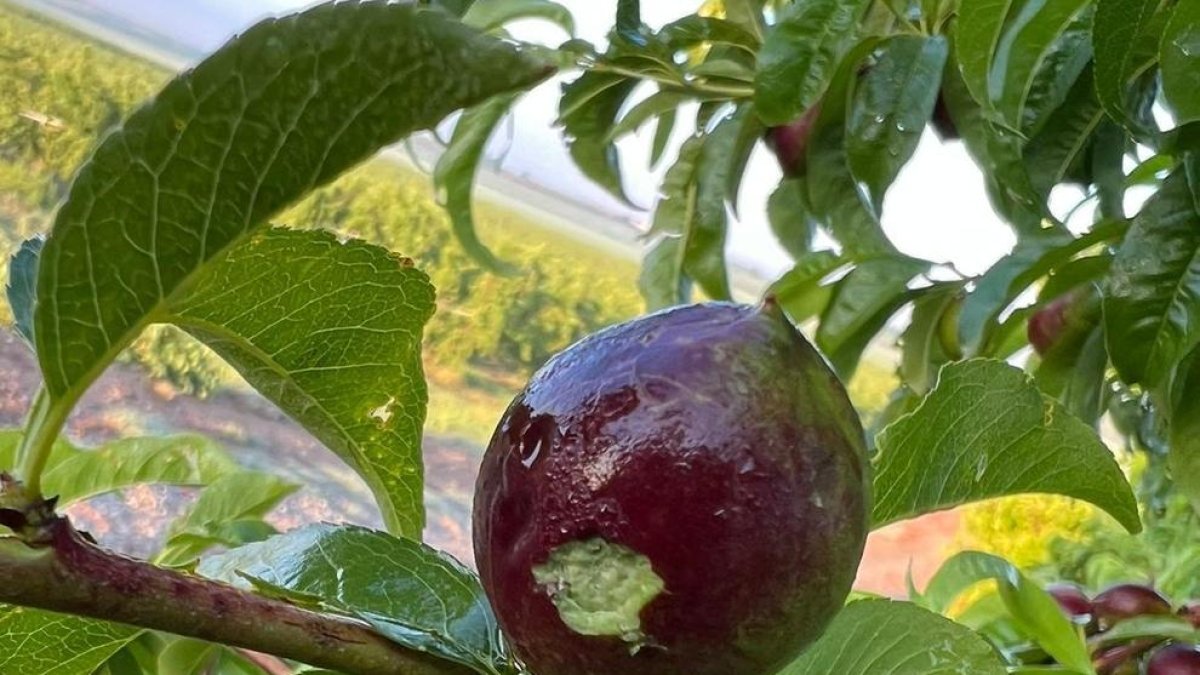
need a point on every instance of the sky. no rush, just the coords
(937, 209)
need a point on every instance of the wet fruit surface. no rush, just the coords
(712, 447)
(1073, 602)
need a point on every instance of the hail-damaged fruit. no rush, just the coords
(686, 493)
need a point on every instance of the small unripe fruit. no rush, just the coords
(1120, 659)
(1126, 601)
(1073, 601)
(685, 493)
(790, 142)
(1176, 659)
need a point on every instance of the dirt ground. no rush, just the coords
(125, 402)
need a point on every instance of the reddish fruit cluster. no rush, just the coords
(1120, 603)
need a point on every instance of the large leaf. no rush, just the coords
(73, 474)
(454, 174)
(1179, 58)
(1116, 29)
(492, 14)
(1152, 294)
(47, 643)
(1064, 138)
(661, 281)
(800, 55)
(22, 285)
(331, 332)
(861, 304)
(407, 591)
(986, 431)
(891, 105)
(587, 110)
(834, 196)
(227, 513)
(800, 290)
(886, 637)
(1028, 38)
(286, 106)
(1033, 610)
(980, 25)
(790, 216)
(1184, 458)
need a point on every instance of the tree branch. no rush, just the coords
(54, 567)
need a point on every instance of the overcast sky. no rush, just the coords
(937, 209)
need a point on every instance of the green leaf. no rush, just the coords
(454, 173)
(73, 474)
(694, 30)
(1152, 294)
(1074, 372)
(1184, 414)
(46, 643)
(833, 193)
(283, 108)
(1117, 26)
(800, 291)
(629, 16)
(1033, 610)
(184, 656)
(887, 637)
(746, 13)
(407, 591)
(1179, 59)
(790, 216)
(662, 136)
(1151, 626)
(222, 515)
(331, 332)
(490, 15)
(1065, 136)
(1029, 37)
(587, 110)
(891, 105)
(862, 302)
(978, 31)
(661, 280)
(655, 105)
(693, 207)
(986, 431)
(22, 285)
(922, 352)
(800, 54)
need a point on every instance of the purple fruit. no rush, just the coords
(790, 142)
(1176, 659)
(1073, 601)
(683, 493)
(1126, 601)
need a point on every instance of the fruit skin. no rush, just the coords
(1065, 320)
(943, 121)
(1176, 659)
(1073, 601)
(711, 439)
(1126, 601)
(790, 142)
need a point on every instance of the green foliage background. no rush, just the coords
(63, 92)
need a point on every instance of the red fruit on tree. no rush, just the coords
(683, 493)
(790, 141)
(1126, 601)
(1073, 601)
(1176, 659)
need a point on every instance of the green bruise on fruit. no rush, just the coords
(600, 588)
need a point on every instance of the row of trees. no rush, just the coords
(63, 93)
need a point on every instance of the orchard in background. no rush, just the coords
(170, 222)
